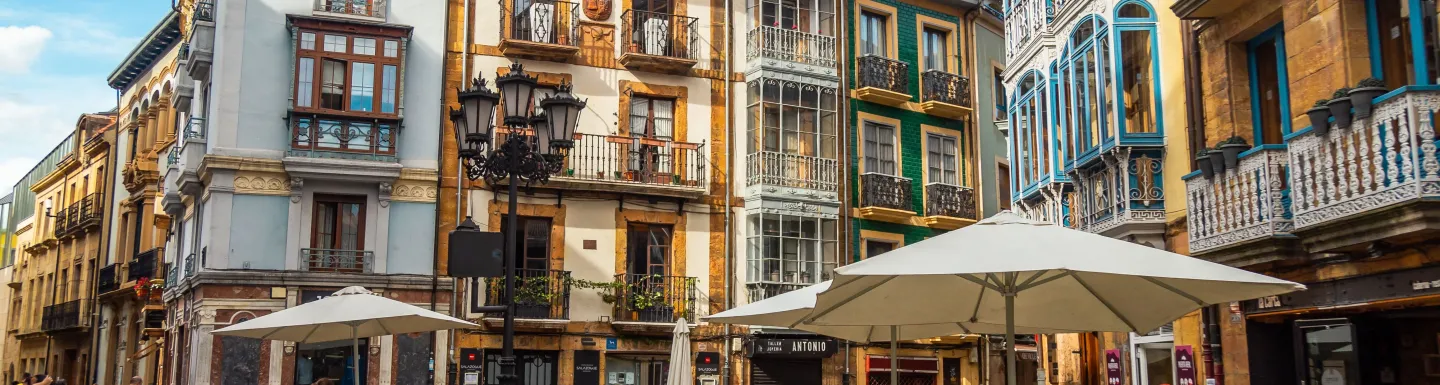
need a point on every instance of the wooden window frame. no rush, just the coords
(523, 237)
(318, 55)
(315, 219)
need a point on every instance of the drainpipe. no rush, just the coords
(104, 248)
(729, 251)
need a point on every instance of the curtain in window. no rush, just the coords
(879, 149)
(941, 159)
(935, 50)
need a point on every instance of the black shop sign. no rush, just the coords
(791, 348)
(1352, 291)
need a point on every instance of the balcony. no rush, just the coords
(626, 164)
(944, 94)
(658, 42)
(190, 267)
(949, 206)
(540, 29)
(1121, 195)
(1242, 214)
(201, 46)
(337, 261)
(192, 153)
(184, 85)
(68, 316)
(885, 197)
(329, 136)
(369, 10)
(542, 297)
(791, 46)
(778, 169)
(107, 280)
(82, 215)
(883, 80)
(650, 304)
(757, 291)
(1373, 181)
(145, 265)
(1024, 24)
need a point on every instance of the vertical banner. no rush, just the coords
(1114, 372)
(587, 367)
(1184, 365)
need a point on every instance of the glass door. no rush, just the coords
(1327, 350)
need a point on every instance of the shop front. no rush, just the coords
(1373, 329)
(788, 361)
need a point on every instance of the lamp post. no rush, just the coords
(538, 135)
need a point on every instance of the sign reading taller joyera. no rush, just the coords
(793, 348)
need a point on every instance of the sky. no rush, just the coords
(54, 58)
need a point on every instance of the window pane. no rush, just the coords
(1133, 10)
(350, 226)
(304, 85)
(362, 87)
(387, 93)
(364, 46)
(1138, 87)
(392, 48)
(332, 88)
(935, 50)
(334, 43)
(307, 40)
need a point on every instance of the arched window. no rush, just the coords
(1138, 61)
(1087, 72)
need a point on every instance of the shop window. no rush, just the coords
(532, 367)
(334, 361)
(636, 369)
(873, 39)
(880, 149)
(1393, 31)
(1269, 95)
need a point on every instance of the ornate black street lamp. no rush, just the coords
(536, 141)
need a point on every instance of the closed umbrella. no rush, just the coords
(680, 354)
(1033, 276)
(351, 313)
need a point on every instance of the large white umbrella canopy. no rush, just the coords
(1035, 276)
(680, 354)
(350, 314)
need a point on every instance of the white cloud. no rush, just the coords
(11, 170)
(20, 46)
(34, 121)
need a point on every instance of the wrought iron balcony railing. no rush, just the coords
(190, 267)
(107, 280)
(172, 276)
(194, 128)
(884, 73)
(659, 34)
(945, 87)
(64, 316)
(950, 201)
(789, 170)
(654, 298)
(624, 159)
(322, 136)
(1375, 163)
(886, 191)
(143, 266)
(539, 294)
(204, 11)
(364, 8)
(791, 45)
(1242, 205)
(541, 21)
(338, 261)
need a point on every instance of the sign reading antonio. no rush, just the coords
(790, 347)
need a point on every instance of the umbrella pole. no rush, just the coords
(1010, 339)
(355, 348)
(894, 355)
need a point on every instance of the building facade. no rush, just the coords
(1328, 196)
(305, 138)
(1097, 141)
(630, 235)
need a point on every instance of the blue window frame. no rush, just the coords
(1087, 68)
(1030, 145)
(1138, 68)
(1269, 86)
(1396, 32)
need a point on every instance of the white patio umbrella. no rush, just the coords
(351, 313)
(1035, 276)
(680, 354)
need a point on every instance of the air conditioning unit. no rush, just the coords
(542, 22)
(657, 36)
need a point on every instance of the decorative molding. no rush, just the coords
(296, 189)
(414, 192)
(384, 196)
(261, 184)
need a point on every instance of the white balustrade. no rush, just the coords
(1023, 23)
(790, 170)
(1374, 164)
(791, 45)
(1240, 205)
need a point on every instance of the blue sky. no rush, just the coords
(54, 58)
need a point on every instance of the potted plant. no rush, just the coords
(1231, 148)
(1202, 157)
(1365, 93)
(1340, 107)
(1217, 160)
(1320, 117)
